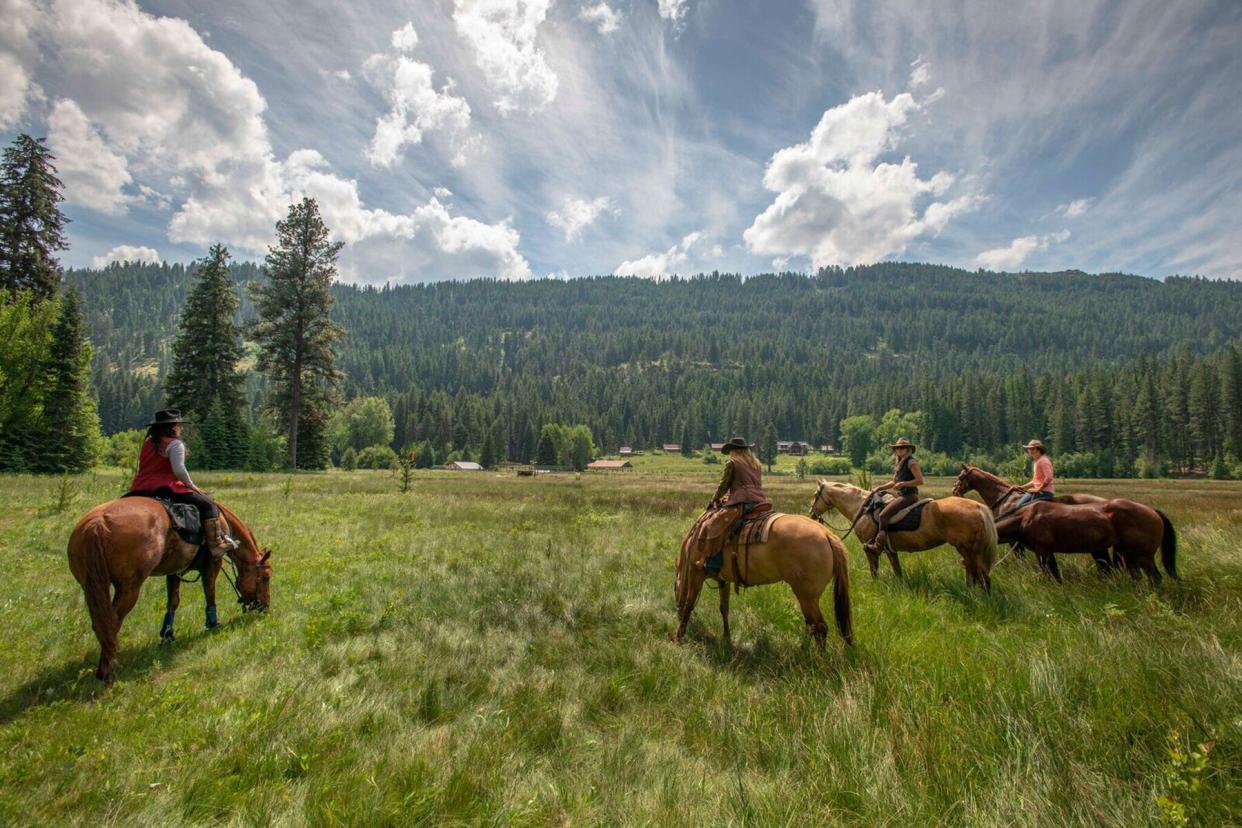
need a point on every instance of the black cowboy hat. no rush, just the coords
(735, 443)
(167, 416)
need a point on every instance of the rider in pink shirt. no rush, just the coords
(1042, 483)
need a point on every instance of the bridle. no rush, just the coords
(967, 485)
(818, 516)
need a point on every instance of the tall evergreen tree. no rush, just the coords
(769, 445)
(297, 340)
(1231, 400)
(204, 363)
(31, 224)
(70, 421)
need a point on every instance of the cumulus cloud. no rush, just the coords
(416, 106)
(837, 204)
(577, 215)
(602, 16)
(189, 127)
(94, 176)
(1017, 251)
(920, 73)
(127, 253)
(1076, 208)
(503, 34)
(671, 261)
(18, 54)
(674, 10)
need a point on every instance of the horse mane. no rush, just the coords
(236, 524)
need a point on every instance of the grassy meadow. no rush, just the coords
(495, 650)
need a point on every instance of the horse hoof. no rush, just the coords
(167, 638)
(214, 626)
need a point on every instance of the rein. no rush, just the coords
(819, 516)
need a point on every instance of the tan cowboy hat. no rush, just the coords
(903, 443)
(1036, 444)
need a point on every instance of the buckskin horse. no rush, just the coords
(799, 552)
(119, 544)
(1077, 524)
(963, 524)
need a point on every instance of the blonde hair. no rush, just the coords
(747, 456)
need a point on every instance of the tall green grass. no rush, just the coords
(495, 650)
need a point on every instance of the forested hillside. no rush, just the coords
(1118, 367)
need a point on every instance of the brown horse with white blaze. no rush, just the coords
(799, 552)
(963, 524)
(117, 545)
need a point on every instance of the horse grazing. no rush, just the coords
(119, 544)
(963, 524)
(799, 552)
(1077, 524)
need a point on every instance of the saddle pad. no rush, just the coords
(183, 516)
(758, 530)
(907, 520)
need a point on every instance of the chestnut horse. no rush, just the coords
(963, 524)
(1080, 523)
(119, 544)
(799, 552)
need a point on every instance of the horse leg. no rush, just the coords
(815, 624)
(1144, 560)
(693, 588)
(174, 601)
(724, 611)
(896, 564)
(124, 600)
(1103, 563)
(1053, 568)
(873, 561)
(209, 595)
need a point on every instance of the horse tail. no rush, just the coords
(990, 538)
(1168, 545)
(841, 591)
(96, 585)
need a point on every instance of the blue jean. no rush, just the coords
(1031, 497)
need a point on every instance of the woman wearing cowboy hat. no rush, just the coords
(162, 473)
(906, 480)
(1042, 482)
(741, 484)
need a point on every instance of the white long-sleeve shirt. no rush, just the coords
(175, 452)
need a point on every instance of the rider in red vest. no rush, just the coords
(162, 473)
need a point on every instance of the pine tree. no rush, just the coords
(769, 447)
(1203, 408)
(32, 228)
(70, 421)
(296, 337)
(205, 354)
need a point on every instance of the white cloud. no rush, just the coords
(343, 74)
(674, 10)
(671, 261)
(920, 73)
(1012, 256)
(1076, 208)
(94, 176)
(405, 39)
(188, 123)
(577, 215)
(18, 54)
(127, 253)
(602, 16)
(503, 34)
(416, 106)
(837, 204)
(442, 193)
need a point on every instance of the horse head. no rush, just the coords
(254, 566)
(964, 481)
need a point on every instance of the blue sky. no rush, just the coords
(521, 138)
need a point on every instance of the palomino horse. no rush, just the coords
(121, 543)
(963, 524)
(1084, 524)
(799, 552)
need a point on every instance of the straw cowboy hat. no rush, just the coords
(1037, 444)
(735, 443)
(167, 416)
(903, 443)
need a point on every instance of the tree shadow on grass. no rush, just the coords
(75, 681)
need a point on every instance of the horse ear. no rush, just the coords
(965, 466)
(267, 553)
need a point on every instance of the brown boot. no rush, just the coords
(878, 544)
(217, 540)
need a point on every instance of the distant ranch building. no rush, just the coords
(626, 451)
(609, 465)
(671, 447)
(463, 465)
